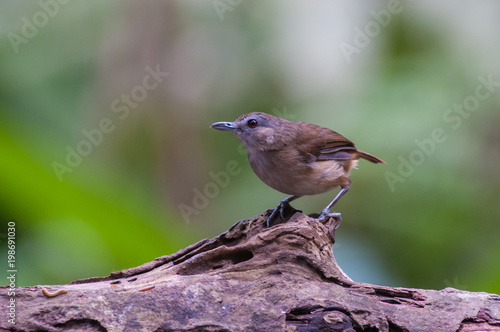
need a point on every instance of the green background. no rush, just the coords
(63, 66)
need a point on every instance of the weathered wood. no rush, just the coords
(250, 278)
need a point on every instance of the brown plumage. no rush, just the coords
(296, 158)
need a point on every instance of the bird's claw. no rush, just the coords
(281, 208)
(333, 226)
(336, 215)
(271, 217)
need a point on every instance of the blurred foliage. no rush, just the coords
(122, 204)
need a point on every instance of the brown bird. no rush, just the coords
(297, 158)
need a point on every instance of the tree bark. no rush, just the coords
(249, 278)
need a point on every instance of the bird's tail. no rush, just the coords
(369, 157)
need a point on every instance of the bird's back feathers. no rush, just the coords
(326, 144)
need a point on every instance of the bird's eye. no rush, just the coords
(252, 123)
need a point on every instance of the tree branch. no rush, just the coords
(283, 278)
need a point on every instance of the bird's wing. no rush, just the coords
(336, 147)
(320, 143)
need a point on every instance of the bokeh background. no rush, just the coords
(387, 75)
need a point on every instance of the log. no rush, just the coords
(249, 278)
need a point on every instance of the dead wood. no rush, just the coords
(250, 278)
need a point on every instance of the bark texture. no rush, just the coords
(250, 278)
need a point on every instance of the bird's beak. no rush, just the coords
(226, 126)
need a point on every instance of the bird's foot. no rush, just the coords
(284, 209)
(327, 214)
(333, 225)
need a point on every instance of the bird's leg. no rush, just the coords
(281, 208)
(326, 211)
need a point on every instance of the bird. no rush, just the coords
(297, 158)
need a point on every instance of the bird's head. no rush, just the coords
(260, 131)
